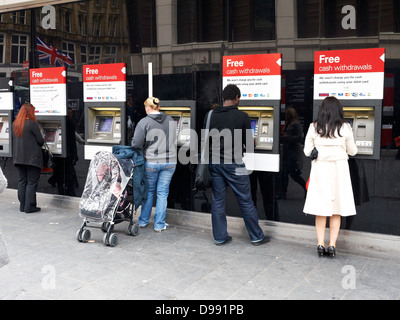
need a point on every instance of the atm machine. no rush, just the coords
(365, 117)
(105, 127)
(265, 124)
(184, 114)
(54, 133)
(6, 116)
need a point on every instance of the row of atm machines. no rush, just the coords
(106, 128)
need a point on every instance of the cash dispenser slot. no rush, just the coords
(262, 126)
(362, 120)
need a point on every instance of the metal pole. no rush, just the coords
(33, 58)
(150, 79)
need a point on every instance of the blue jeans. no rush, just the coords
(235, 176)
(159, 177)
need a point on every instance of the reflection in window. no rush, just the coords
(95, 54)
(2, 48)
(69, 49)
(67, 22)
(19, 48)
(84, 55)
(323, 18)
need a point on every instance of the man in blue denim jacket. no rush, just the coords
(230, 130)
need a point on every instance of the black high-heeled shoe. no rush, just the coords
(321, 251)
(332, 252)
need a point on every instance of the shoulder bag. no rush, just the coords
(203, 178)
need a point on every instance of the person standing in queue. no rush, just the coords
(330, 192)
(156, 135)
(28, 157)
(291, 139)
(227, 168)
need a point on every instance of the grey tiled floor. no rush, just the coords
(179, 264)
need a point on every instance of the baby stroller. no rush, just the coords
(107, 199)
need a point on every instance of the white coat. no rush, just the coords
(330, 191)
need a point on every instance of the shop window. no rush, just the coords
(308, 18)
(323, 18)
(19, 48)
(263, 20)
(187, 21)
(396, 13)
(211, 20)
(238, 20)
(143, 24)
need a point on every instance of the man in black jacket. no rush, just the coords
(230, 130)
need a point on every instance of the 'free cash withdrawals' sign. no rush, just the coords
(259, 77)
(104, 83)
(49, 91)
(350, 74)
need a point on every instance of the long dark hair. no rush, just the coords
(330, 118)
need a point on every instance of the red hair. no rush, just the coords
(27, 112)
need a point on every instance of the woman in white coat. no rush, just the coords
(330, 192)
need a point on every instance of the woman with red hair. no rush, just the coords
(28, 157)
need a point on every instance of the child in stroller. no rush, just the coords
(107, 199)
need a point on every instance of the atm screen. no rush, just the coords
(253, 123)
(50, 135)
(104, 124)
(349, 121)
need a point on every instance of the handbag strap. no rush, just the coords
(206, 136)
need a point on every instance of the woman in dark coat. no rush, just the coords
(28, 158)
(291, 139)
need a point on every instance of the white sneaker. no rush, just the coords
(163, 229)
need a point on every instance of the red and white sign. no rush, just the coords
(257, 76)
(104, 83)
(350, 74)
(48, 90)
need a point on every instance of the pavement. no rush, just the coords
(182, 263)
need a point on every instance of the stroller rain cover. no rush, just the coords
(104, 186)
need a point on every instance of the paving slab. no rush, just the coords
(182, 263)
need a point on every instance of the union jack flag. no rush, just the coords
(52, 56)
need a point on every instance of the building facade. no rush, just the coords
(185, 40)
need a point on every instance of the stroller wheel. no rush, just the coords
(110, 240)
(79, 235)
(133, 229)
(86, 234)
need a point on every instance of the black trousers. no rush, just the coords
(27, 186)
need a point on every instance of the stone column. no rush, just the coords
(286, 29)
(166, 32)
